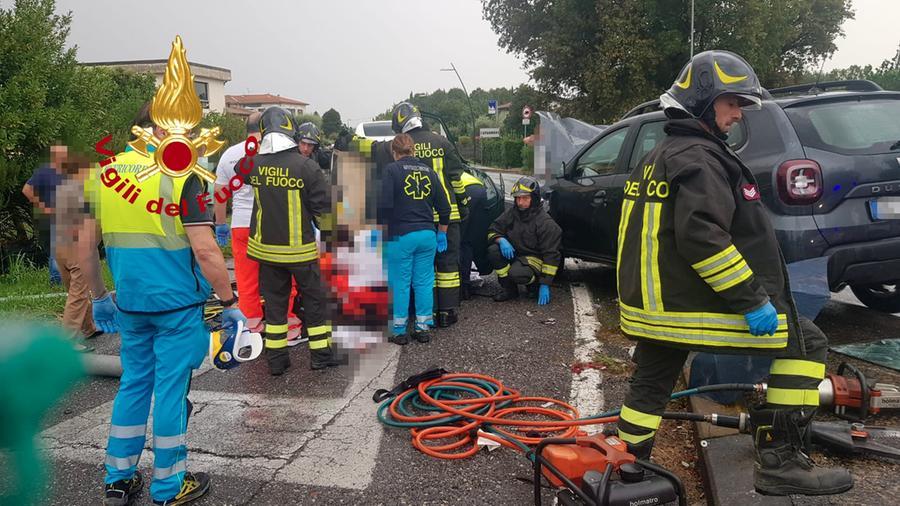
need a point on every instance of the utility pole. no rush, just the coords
(692, 29)
(468, 99)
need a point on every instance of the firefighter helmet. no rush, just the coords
(707, 76)
(309, 132)
(405, 117)
(230, 346)
(276, 119)
(527, 185)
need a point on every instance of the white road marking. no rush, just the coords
(290, 439)
(587, 386)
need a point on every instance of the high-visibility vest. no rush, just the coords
(152, 264)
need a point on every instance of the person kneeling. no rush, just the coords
(525, 244)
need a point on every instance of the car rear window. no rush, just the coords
(851, 127)
(378, 129)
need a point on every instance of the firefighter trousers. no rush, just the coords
(446, 273)
(793, 382)
(517, 269)
(275, 287)
(472, 231)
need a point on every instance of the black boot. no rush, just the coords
(447, 318)
(464, 292)
(278, 360)
(782, 468)
(422, 336)
(642, 450)
(326, 357)
(509, 290)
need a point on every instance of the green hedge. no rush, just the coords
(528, 159)
(504, 152)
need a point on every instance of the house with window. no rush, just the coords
(209, 81)
(261, 102)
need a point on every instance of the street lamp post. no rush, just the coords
(469, 100)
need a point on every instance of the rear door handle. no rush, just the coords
(599, 198)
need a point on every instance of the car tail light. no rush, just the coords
(799, 182)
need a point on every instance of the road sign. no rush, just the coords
(526, 121)
(487, 133)
(492, 107)
(526, 112)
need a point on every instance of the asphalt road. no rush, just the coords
(313, 438)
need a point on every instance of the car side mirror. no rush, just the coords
(561, 171)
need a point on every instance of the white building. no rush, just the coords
(209, 81)
(263, 101)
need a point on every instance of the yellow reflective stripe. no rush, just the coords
(635, 417)
(634, 439)
(793, 367)
(447, 275)
(725, 264)
(492, 235)
(264, 253)
(792, 397)
(309, 247)
(535, 262)
(276, 329)
(503, 271)
(258, 234)
(318, 344)
(651, 287)
(549, 269)
(707, 337)
(743, 276)
(713, 261)
(693, 320)
(627, 206)
(275, 344)
(719, 277)
(446, 283)
(318, 330)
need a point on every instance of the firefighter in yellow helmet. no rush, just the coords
(700, 269)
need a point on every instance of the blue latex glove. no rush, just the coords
(507, 249)
(441, 241)
(544, 295)
(763, 320)
(223, 233)
(231, 316)
(105, 311)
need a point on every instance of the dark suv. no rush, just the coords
(827, 160)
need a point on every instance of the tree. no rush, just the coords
(45, 96)
(310, 118)
(331, 122)
(598, 58)
(233, 128)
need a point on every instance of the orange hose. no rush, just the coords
(463, 434)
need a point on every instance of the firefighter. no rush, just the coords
(524, 244)
(159, 315)
(310, 145)
(700, 269)
(437, 152)
(291, 194)
(471, 229)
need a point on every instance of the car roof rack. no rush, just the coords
(651, 106)
(817, 88)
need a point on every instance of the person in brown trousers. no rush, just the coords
(69, 213)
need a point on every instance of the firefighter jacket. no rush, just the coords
(534, 235)
(697, 251)
(290, 194)
(438, 153)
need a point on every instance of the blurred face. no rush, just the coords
(523, 202)
(58, 154)
(728, 112)
(306, 148)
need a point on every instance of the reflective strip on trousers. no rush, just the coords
(318, 344)
(122, 463)
(793, 367)
(635, 417)
(276, 329)
(166, 472)
(275, 344)
(635, 439)
(127, 431)
(168, 442)
(318, 330)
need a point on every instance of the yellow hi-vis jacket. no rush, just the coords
(697, 250)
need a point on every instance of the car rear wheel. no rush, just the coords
(880, 296)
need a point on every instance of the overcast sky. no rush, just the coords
(356, 56)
